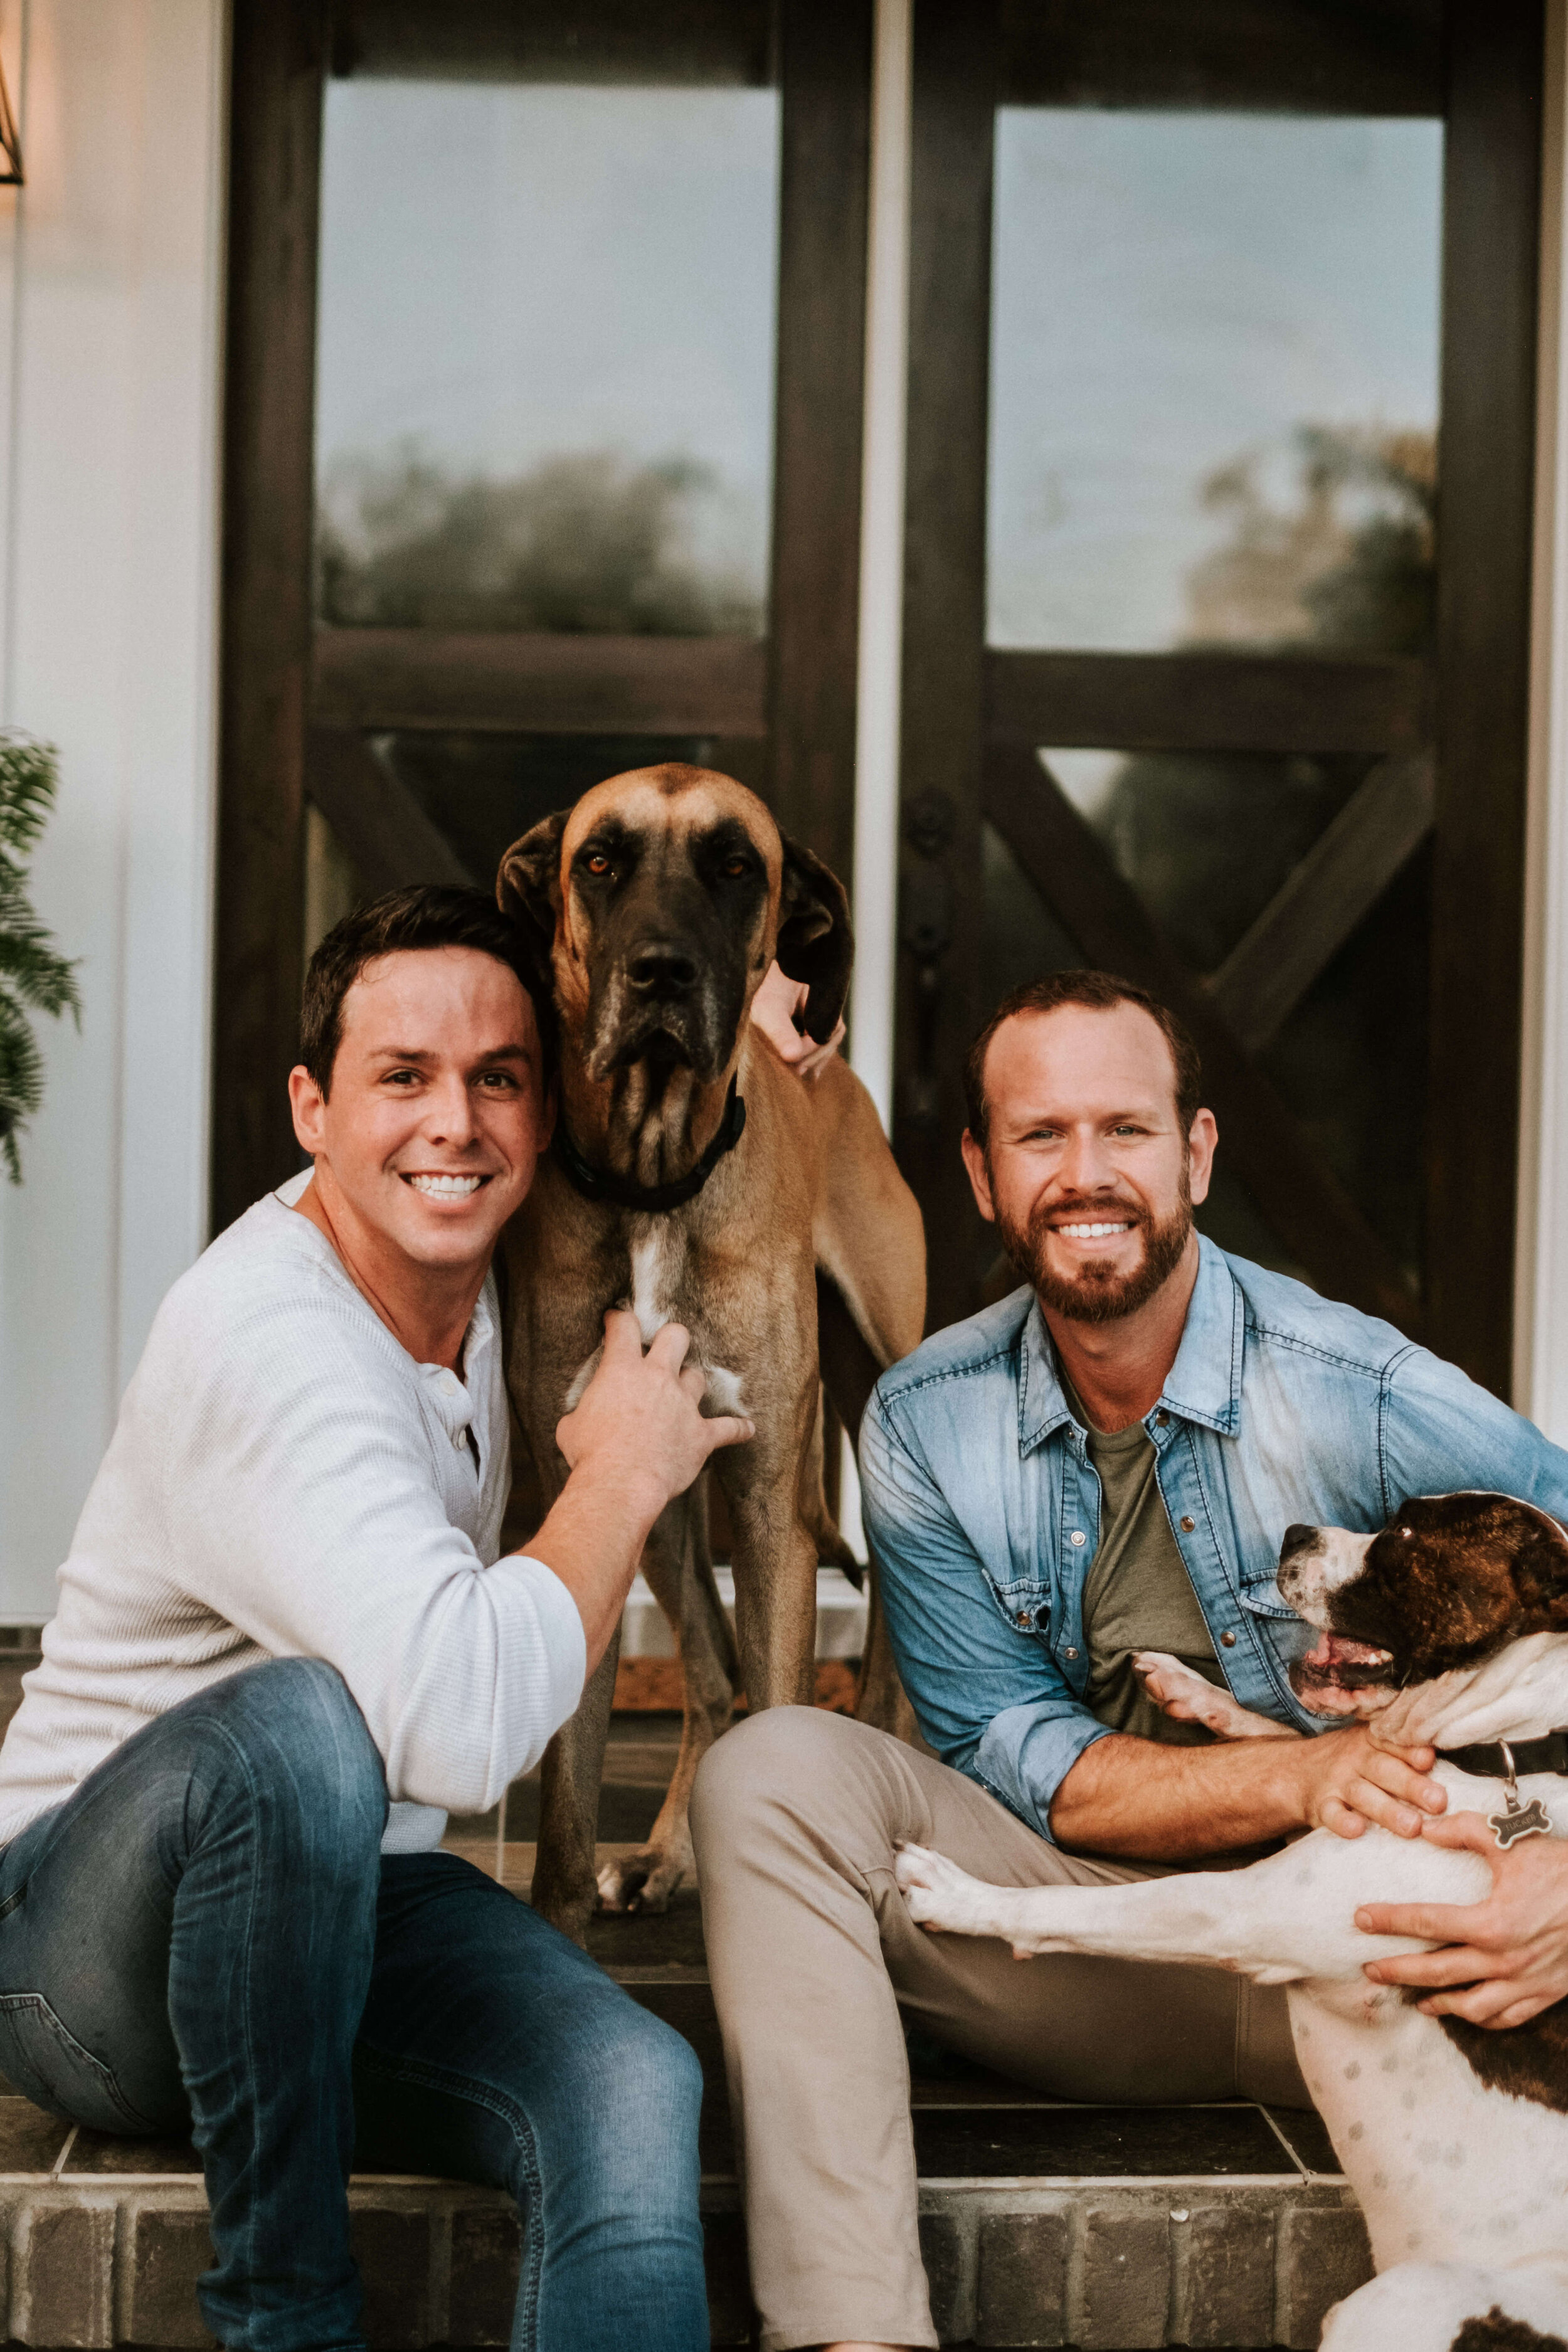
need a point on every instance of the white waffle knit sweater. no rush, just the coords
(285, 1481)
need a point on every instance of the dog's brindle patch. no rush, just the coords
(1498, 2332)
(1451, 1578)
(1527, 2062)
(1448, 1582)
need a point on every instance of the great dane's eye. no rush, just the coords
(734, 869)
(595, 863)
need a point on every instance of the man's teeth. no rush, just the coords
(1092, 1233)
(446, 1188)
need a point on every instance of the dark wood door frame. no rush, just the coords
(971, 720)
(299, 701)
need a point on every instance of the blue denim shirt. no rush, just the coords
(983, 1507)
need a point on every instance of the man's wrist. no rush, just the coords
(625, 1486)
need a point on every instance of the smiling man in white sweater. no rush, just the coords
(286, 1647)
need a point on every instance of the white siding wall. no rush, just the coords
(110, 342)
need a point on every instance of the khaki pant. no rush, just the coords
(813, 1955)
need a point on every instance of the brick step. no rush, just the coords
(1041, 2223)
(106, 2238)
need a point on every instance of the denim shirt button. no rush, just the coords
(1227, 1639)
(1188, 1526)
(1070, 1653)
(1078, 1536)
(1162, 1419)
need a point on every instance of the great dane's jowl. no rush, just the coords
(1449, 1628)
(697, 1180)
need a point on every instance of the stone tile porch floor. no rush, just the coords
(1041, 2223)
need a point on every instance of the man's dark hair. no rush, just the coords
(1101, 991)
(429, 915)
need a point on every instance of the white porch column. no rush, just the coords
(110, 277)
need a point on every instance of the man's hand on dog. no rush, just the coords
(774, 1009)
(637, 1438)
(1346, 1781)
(1502, 1961)
(640, 1418)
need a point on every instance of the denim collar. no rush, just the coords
(1204, 1384)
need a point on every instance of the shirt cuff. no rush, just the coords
(564, 1644)
(1026, 1752)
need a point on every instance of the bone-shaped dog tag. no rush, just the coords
(1518, 1820)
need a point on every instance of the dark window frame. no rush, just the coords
(970, 718)
(297, 701)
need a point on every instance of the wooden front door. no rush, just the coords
(1263, 751)
(542, 450)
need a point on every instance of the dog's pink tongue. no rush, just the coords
(1338, 1650)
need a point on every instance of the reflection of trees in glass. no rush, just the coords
(1351, 564)
(1206, 840)
(585, 543)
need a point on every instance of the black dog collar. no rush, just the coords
(650, 1199)
(1492, 1758)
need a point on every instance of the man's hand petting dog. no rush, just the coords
(1502, 1961)
(1346, 1781)
(637, 1438)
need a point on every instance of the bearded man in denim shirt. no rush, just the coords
(1102, 1464)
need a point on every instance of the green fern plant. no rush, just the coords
(34, 975)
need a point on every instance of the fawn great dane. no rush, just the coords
(698, 1180)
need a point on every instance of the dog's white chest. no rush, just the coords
(657, 1271)
(1444, 2168)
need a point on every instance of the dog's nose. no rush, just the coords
(661, 969)
(1297, 1538)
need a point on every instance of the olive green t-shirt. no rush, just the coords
(1137, 1594)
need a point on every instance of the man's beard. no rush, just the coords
(1097, 1293)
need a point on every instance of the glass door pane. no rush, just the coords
(545, 358)
(1214, 373)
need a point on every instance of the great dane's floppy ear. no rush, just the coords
(528, 887)
(815, 943)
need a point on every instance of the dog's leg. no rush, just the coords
(879, 1696)
(566, 1889)
(1221, 1917)
(1189, 1698)
(678, 1566)
(775, 1562)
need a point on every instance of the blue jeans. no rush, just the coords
(207, 1937)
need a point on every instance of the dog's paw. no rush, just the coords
(939, 1895)
(1180, 1693)
(640, 1882)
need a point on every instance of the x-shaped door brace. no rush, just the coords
(1236, 1013)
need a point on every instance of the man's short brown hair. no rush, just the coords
(429, 915)
(1101, 991)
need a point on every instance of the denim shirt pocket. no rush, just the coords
(1286, 1638)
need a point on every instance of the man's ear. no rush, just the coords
(527, 888)
(815, 943)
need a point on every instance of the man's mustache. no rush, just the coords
(1096, 1209)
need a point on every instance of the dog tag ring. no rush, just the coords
(1518, 1820)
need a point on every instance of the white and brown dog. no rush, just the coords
(1449, 1628)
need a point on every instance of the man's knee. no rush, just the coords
(304, 1747)
(791, 1757)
